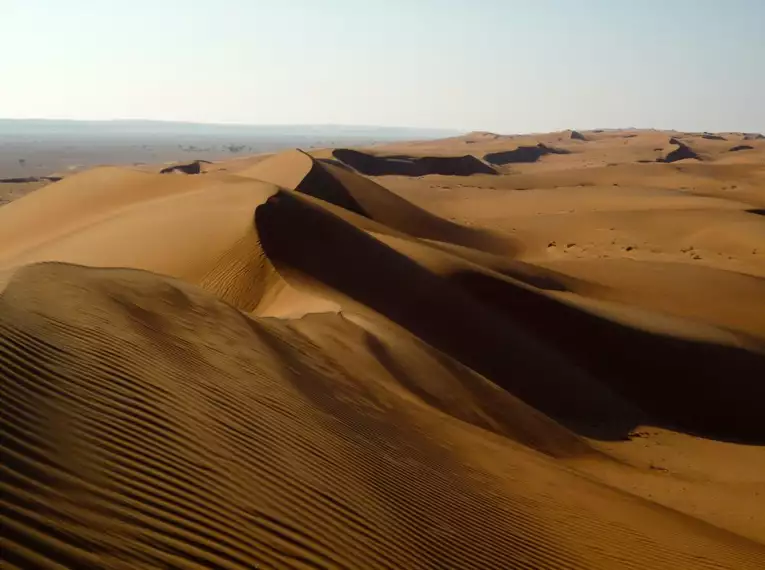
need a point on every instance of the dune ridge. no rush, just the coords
(375, 165)
(682, 152)
(522, 154)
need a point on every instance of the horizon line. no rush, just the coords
(451, 130)
(227, 124)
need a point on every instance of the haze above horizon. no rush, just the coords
(496, 65)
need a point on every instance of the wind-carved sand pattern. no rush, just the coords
(278, 362)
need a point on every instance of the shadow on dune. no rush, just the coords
(145, 423)
(395, 459)
(536, 276)
(372, 165)
(597, 377)
(337, 163)
(355, 193)
(336, 255)
(194, 167)
(522, 154)
(682, 152)
(706, 389)
(28, 179)
(497, 410)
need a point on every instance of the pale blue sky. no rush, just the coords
(501, 65)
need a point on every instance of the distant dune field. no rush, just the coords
(484, 351)
(34, 148)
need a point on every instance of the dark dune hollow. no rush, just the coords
(741, 147)
(682, 152)
(28, 179)
(445, 316)
(400, 165)
(336, 163)
(708, 390)
(522, 154)
(194, 167)
(351, 191)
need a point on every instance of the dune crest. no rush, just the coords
(521, 154)
(372, 165)
(194, 167)
(682, 152)
(296, 170)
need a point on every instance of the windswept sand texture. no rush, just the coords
(550, 355)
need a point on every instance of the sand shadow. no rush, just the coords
(682, 152)
(712, 390)
(595, 376)
(402, 165)
(522, 154)
(337, 255)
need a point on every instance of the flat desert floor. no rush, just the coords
(538, 351)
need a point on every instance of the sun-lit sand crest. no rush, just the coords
(496, 352)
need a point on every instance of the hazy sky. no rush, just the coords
(502, 65)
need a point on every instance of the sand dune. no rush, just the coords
(375, 165)
(521, 154)
(682, 152)
(193, 167)
(282, 363)
(303, 173)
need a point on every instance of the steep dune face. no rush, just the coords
(209, 239)
(457, 324)
(521, 154)
(374, 165)
(141, 460)
(682, 152)
(358, 266)
(705, 388)
(290, 365)
(193, 167)
(298, 171)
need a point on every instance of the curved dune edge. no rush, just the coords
(296, 170)
(402, 165)
(192, 434)
(459, 308)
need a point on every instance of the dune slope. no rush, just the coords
(178, 432)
